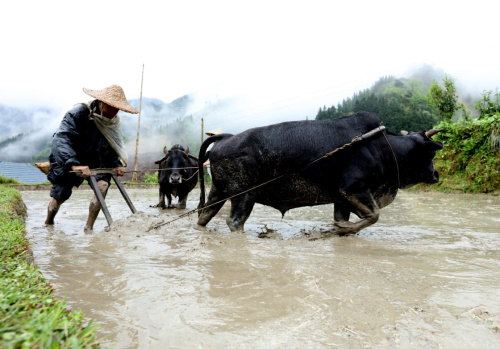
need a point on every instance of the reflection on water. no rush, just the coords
(426, 275)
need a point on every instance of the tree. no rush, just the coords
(486, 106)
(444, 100)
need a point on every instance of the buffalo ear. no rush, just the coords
(186, 152)
(165, 151)
(434, 145)
(159, 161)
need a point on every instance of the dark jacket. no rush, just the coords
(78, 141)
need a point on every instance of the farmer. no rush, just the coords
(88, 137)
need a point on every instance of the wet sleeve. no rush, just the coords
(66, 142)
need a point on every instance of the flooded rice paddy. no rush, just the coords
(427, 275)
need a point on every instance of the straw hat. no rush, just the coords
(114, 96)
(217, 131)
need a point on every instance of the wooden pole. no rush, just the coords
(201, 131)
(134, 175)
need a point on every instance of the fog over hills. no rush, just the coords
(14, 121)
(26, 132)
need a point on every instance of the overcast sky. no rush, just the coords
(281, 55)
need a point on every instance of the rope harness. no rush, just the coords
(353, 141)
(187, 179)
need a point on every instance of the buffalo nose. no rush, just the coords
(435, 177)
(175, 178)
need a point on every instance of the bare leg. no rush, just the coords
(95, 206)
(52, 210)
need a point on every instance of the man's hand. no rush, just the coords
(120, 171)
(84, 169)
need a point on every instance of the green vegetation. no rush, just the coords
(400, 104)
(42, 155)
(151, 178)
(184, 132)
(5, 180)
(30, 315)
(470, 159)
(444, 100)
(488, 105)
(12, 181)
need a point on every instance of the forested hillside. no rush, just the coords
(399, 103)
(469, 161)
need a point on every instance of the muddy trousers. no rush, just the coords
(94, 207)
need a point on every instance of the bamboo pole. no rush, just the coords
(134, 175)
(201, 131)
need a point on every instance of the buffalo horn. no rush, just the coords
(432, 132)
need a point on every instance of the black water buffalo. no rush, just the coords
(360, 178)
(177, 175)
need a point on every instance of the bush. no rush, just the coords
(470, 159)
(5, 180)
(151, 178)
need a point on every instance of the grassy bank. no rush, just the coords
(470, 159)
(30, 316)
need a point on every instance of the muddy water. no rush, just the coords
(426, 275)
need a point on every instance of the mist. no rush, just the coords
(22, 150)
(231, 106)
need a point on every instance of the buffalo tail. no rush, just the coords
(203, 158)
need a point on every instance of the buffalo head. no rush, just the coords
(173, 166)
(415, 158)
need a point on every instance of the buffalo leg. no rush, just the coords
(241, 207)
(169, 200)
(161, 203)
(207, 213)
(366, 208)
(341, 213)
(182, 202)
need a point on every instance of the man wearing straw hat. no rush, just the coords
(88, 137)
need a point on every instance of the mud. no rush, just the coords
(425, 276)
